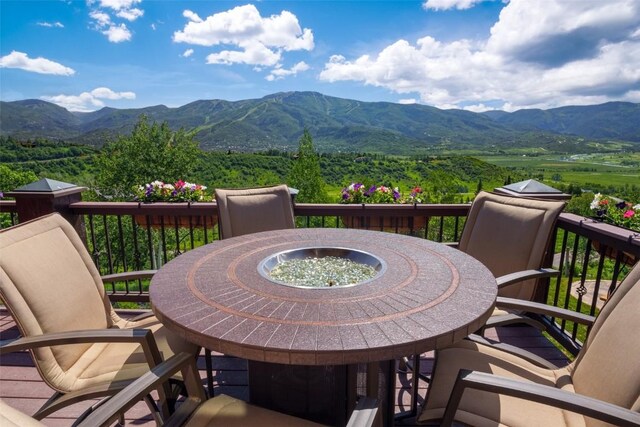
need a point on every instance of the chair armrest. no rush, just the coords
(365, 414)
(129, 275)
(527, 355)
(511, 319)
(520, 276)
(536, 307)
(144, 337)
(543, 394)
(107, 413)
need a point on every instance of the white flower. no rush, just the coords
(595, 204)
(637, 207)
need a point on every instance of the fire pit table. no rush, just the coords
(304, 343)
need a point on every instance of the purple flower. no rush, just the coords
(396, 195)
(370, 191)
(621, 205)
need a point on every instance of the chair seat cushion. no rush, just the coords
(227, 411)
(109, 362)
(11, 417)
(480, 408)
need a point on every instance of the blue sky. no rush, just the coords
(471, 54)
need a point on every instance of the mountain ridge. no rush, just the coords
(337, 124)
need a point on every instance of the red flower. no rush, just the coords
(629, 213)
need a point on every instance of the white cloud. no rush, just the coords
(407, 101)
(51, 24)
(104, 22)
(88, 101)
(478, 108)
(106, 93)
(130, 14)
(551, 54)
(153, 27)
(279, 73)
(191, 16)
(450, 4)
(37, 65)
(254, 54)
(117, 33)
(187, 53)
(102, 19)
(260, 40)
(118, 5)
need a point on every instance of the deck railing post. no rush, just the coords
(47, 196)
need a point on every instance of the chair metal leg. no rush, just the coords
(209, 368)
(414, 367)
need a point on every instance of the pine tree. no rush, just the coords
(305, 174)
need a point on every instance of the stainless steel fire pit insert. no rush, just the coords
(348, 260)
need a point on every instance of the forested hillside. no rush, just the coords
(446, 178)
(340, 125)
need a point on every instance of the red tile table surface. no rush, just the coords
(429, 296)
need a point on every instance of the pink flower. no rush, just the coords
(629, 213)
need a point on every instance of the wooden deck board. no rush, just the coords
(22, 387)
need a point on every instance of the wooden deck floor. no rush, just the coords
(22, 388)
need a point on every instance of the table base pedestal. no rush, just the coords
(324, 394)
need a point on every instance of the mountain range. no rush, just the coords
(336, 124)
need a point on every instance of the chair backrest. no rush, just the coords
(253, 210)
(608, 366)
(510, 234)
(50, 284)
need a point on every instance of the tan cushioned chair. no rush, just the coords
(11, 417)
(607, 369)
(253, 210)
(51, 286)
(508, 235)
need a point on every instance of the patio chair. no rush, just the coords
(246, 211)
(510, 236)
(480, 385)
(253, 210)
(221, 410)
(80, 346)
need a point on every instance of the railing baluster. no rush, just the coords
(567, 295)
(596, 287)
(136, 250)
(582, 290)
(191, 240)
(122, 244)
(565, 237)
(107, 243)
(177, 236)
(164, 241)
(94, 251)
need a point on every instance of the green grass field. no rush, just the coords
(584, 169)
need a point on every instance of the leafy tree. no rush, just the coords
(151, 152)
(11, 179)
(305, 174)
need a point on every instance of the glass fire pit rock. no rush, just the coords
(321, 267)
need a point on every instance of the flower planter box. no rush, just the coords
(612, 253)
(391, 224)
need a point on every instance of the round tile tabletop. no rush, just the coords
(429, 295)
